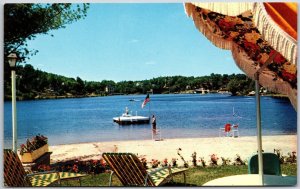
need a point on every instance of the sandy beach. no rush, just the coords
(226, 147)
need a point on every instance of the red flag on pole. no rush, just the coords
(147, 99)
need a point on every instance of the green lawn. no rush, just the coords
(196, 176)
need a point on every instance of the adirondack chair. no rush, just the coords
(15, 175)
(131, 172)
(271, 164)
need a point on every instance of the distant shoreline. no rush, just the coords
(281, 96)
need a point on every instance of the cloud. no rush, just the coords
(134, 41)
(150, 63)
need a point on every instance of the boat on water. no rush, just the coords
(134, 100)
(128, 118)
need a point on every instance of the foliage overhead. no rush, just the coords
(23, 22)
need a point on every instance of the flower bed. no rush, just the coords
(34, 148)
(99, 166)
(29, 157)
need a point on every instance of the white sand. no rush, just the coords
(221, 146)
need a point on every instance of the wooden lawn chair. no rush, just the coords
(15, 175)
(131, 172)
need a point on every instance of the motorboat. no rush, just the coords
(134, 100)
(128, 118)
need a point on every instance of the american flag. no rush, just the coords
(147, 99)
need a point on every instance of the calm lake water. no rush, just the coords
(79, 120)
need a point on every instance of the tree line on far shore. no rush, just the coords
(35, 84)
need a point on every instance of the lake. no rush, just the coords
(79, 120)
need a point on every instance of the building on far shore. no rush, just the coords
(202, 91)
(109, 89)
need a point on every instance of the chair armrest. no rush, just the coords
(110, 178)
(156, 170)
(28, 176)
(41, 173)
(151, 173)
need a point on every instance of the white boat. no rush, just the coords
(127, 118)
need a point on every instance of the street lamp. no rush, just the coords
(12, 59)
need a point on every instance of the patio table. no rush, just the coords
(253, 180)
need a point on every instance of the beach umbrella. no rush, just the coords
(263, 41)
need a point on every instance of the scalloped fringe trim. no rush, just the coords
(206, 30)
(230, 9)
(273, 34)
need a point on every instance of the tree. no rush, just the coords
(216, 81)
(23, 22)
(80, 86)
(233, 86)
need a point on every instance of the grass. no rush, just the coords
(196, 176)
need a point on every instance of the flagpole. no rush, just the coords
(149, 108)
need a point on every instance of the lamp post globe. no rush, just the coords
(12, 59)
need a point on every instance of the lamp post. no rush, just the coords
(12, 59)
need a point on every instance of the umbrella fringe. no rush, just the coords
(206, 29)
(226, 8)
(276, 37)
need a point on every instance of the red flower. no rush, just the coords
(102, 162)
(95, 162)
(48, 167)
(166, 161)
(75, 168)
(44, 167)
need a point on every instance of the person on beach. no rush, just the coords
(153, 123)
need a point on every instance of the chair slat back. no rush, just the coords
(271, 164)
(128, 169)
(14, 173)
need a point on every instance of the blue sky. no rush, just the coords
(130, 42)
